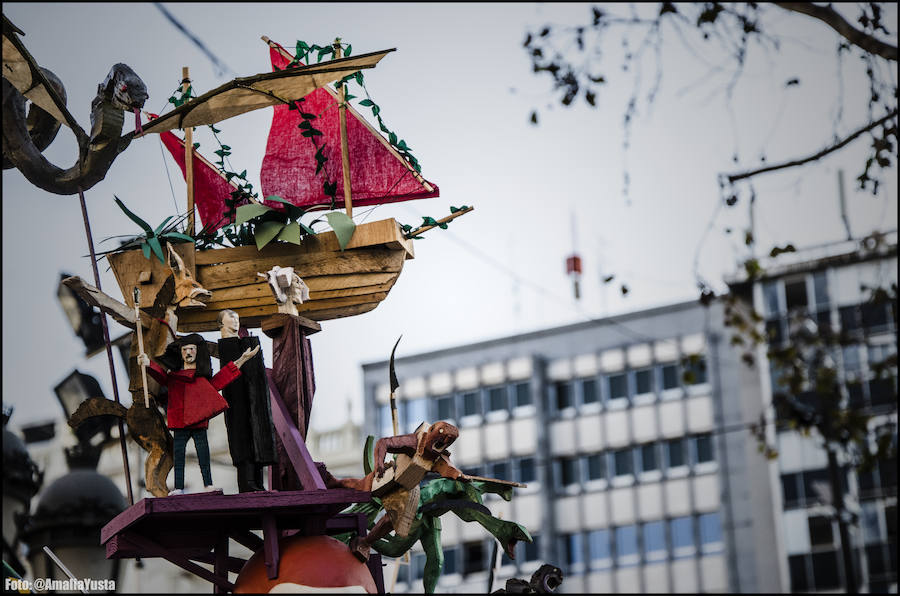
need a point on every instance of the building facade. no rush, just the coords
(845, 288)
(632, 435)
(620, 429)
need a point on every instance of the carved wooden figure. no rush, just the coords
(397, 483)
(251, 435)
(193, 397)
(146, 425)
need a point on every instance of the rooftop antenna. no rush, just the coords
(843, 203)
(573, 262)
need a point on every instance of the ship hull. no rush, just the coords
(341, 283)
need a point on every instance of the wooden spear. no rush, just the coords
(140, 335)
(188, 156)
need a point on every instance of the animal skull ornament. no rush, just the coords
(188, 291)
(287, 287)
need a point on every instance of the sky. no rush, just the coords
(459, 89)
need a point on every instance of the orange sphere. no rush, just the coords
(307, 561)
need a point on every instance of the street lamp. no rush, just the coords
(69, 517)
(71, 392)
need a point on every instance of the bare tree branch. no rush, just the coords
(830, 17)
(799, 162)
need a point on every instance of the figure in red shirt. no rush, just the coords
(194, 397)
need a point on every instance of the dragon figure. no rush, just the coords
(25, 136)
(437, 497)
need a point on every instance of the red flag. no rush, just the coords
(377, 173)
(210, 187)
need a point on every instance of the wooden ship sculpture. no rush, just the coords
(282, 288)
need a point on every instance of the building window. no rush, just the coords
(682, 537)
(532, 550)
(563, 395)
(795, 295)
(670, 376)
(444, 408)
(598, 545)
(626, 545)
(654, 541)
(471, 403)
(526, 470)
(825, 570)
(771, 299)
(874, 316)
(797, 567)
(450, 564)
(385, 423)
(589, 393)
(523, 394)
(499, 470)
(710, 533)
(417, 566)
(695, 370)
(416, 413)
(649, 460)
(623, 462)
(820, 531)
(618, 386)
(572, 549)
(791, 491)
(472, 470)
(568, 471)
(473, 557)
(596, 467)
(675, 453)
(849, 316)
(820, 289)
(703, 448)
(497, 399)
(870, 522)
(643, 381)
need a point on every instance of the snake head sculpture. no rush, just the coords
(123, 88)
(25, 136)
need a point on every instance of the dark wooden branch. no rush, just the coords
(830, 17)
(732, 178)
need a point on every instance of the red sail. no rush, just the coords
(377, 173)
(210, 187)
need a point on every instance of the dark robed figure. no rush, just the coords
(251, 434)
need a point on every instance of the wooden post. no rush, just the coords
(188, 156)
(345, 150)
(138, 328)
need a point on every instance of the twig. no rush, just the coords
(798, 162)
(450, 217)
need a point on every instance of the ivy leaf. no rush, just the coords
(306, 124)
(367, 102)
(162, 225)
(247, 212)
(146, 227)
(347, 50)
(393, 138)
(145, 248)
(290, 233)
(178, 235)
(266, 232)
(359, 77)
(311, 133)
(343, 227)
(153, 241)
(348, 97)
(308, 116)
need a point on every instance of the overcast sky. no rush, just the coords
(460, 91)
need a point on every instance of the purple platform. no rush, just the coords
(196, 528)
